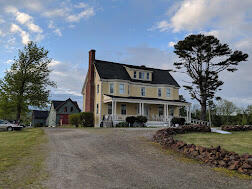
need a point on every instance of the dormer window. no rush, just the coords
(148, 76)
(140, 75)
(135, 74)
(111, 88)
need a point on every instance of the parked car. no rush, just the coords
(6, 125)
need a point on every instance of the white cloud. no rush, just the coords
(2, 21)
(1, 33)
(24, 19)
(171, 44)
(23, 34)
(61, 12)
(9, 62)
(81, 5)
(55, 29)
(83, 14)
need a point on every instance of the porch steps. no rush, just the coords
(157, 124)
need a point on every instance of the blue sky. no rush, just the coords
(129, 31)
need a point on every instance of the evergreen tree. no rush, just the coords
(203, 58)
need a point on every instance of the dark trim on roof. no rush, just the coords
(63, 102)
(145, 98)
(112, 70)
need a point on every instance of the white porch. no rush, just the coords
(158, 112)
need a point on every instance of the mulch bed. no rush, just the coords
(217, 156)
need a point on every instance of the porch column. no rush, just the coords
(165, 108)
(143, 109)
(187, 114)
(113, 108)
(190, 114)
(140, 108)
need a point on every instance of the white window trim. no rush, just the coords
(144, 91)
(112, 87)
(169, 92)
(158, 91)
(121, 84)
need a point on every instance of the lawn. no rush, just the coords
(240, 142)
(21, 157)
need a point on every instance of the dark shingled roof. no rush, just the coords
(144, 98)
(39, 114)
(112, 70)
(59, 103)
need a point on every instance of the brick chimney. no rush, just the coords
(90, 87)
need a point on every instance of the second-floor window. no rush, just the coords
(98, 89)
(135, 74)
(168, 92)
(148, 76)
(121, 89)
(111, 88)
(97, 108)
(143, 91)
(65, 109)
(159, 92)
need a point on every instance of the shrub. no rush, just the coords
(122, 124)
(141, 119)
(178, 120)
(131, 120)
(87, 119)
(74, 119)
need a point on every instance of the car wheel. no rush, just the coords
(9, 129)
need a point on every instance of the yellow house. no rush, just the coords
(114, 91)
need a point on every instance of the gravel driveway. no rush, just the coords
(123, 158)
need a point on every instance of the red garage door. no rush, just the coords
(64, 119)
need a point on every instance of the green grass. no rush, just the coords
(21, 157)
(239, 142)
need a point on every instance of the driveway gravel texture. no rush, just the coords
(123, 158)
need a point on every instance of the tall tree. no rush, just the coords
(26, 83)
(203, 58)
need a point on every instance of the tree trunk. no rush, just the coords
(18, 116)
(203, 110)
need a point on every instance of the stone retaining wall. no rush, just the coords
(217, 157)
(236, 127)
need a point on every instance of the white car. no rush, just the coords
(6, 125)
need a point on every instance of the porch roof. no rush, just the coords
(134, 99)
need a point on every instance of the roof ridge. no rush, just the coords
(141, 67)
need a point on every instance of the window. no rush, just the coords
(72, 109)
(140, 75)
(65, 109)
(111, 88)
(159, 92)
(123, 109)
(143, 91)
(128, 89)
(109, 109)
(135, 74)
(143, 75)
(121, 89)
(97, 108)
(148, 76)
(168, 92)
(97, 89)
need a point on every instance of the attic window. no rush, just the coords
(72, 109)
(135, 74)
(65, 109)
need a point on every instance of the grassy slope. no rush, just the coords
(240, 142)
(21, 157)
